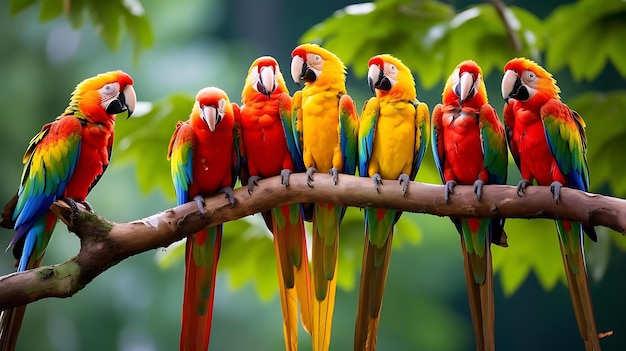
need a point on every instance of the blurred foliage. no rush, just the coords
(108, 17)
(197, 45)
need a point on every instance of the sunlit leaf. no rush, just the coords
(533, 246)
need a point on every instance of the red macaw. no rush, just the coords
(393, 137)
(64, 161)
(549, 145)
(265, 99)
(469, 146)
(204, 161)
(324, 131)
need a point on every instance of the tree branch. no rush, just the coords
(508, 24)
(104, 244)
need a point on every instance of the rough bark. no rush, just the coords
(104, 244)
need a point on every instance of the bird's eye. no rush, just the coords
(393, 68)
(107, 88)
(318, 58)
(529, 76)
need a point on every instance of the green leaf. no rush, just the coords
(19, 5)
(533, 246)
(105, 16)
(140, 30)
(50, 9)
(596, 37)
(76, 13)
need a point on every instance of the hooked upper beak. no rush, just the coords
(125, 101)
(266, 85)
(374, 76)
(466, 83)
(210, 116)
(512, 87)
(298, 66)
(376, 79)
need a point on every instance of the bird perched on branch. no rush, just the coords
(324, 129)
(469, 146)
(548, 143)
(204, 161)
(64, 161)
(393, 137)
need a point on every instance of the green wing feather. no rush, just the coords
(565, 132)
(422, 135)
(348, 133)
(367, 131)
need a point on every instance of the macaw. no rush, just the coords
(324, 131)
(393, 137)
(265, 98)
(548, 143)
(204, 160)
(469, 147)
(64, 161)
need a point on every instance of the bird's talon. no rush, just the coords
(449, 189)
(72, 204)
(252, 182)
(228, 192)
(200, 203)
(521, 187)
(478, 188)
(555, 189)
(284, 177)
(404, 180)
(335, 173)
(309, 176)
(377, 181)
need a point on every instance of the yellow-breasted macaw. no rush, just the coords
(324, 129)
(393, 136)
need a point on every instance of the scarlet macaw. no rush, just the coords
(393, 137)
(64, 161)
(549, 145)
(469, 146)
(204, 161)
(265, 100)
(324, 130)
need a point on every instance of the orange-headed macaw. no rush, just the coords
(469, 146)
(265, 100)
(204, 160)
(549, 146)
(324, 128)
(64, 161)
(393, 137)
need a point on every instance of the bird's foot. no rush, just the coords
(521, 187)
(309, 176)
(252, 182)
(228, 191)
(404, 181)
(478, 188)
(284, 177)
(377, 181)
(555, 189)
(200, 203)
(73, 207)
(449, 189)
(335, 173)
